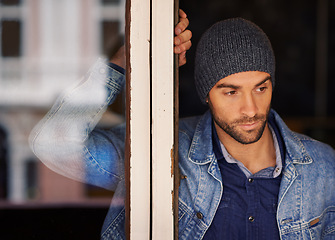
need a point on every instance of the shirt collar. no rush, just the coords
(221, 152)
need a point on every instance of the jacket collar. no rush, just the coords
(201, 150)
(293, 142)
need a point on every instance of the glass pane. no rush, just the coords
(10, 2)
(105, 2)
(3, 164)
(10, 38)
(31, 179)
(45, 48)
(110, 37)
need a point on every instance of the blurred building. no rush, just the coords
(45, 46)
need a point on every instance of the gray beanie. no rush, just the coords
(231, 46)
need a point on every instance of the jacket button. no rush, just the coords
(199, 215)
(250, 180)
(251, 219)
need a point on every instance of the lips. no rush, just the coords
(249, 126)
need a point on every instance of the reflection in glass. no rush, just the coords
(110, 1)
(10, 38)
(10, 2)
(46, 46)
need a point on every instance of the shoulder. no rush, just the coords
(191, 131)
(302, 148)
(318, 151)
(321, 155)
(188, 125)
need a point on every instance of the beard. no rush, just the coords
(243, 137)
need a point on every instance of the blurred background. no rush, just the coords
(46, 45)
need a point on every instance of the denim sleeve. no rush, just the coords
(64, 139)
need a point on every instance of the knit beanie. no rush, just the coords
(231, 46)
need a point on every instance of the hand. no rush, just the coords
(119, 58)
(182, 40)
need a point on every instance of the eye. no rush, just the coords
(261, 89)
(231, 93)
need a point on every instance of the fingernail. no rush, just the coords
(178, 31)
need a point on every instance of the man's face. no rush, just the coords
(240, 104)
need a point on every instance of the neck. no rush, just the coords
(255, 156)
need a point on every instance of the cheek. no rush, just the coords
(225, 112)
(264, 103)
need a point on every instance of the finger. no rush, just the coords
(183, 37)
(182, 47)
(181, 26)
(182, 59)
(182, 14)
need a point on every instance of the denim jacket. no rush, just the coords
(306, 203)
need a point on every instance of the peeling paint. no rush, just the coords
(172, 160)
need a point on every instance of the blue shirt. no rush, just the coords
(248, 206)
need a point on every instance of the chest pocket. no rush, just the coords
(184, 216)
(323, 227)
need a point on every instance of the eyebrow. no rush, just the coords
(265, 80)
(224, 85)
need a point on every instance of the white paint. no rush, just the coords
(140, 120)
(162, 125)
(162, 118)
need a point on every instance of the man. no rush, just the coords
(245, 174)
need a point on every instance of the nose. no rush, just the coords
(249, 106)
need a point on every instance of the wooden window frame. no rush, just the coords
(152, 121)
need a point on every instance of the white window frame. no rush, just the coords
(150, 154)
